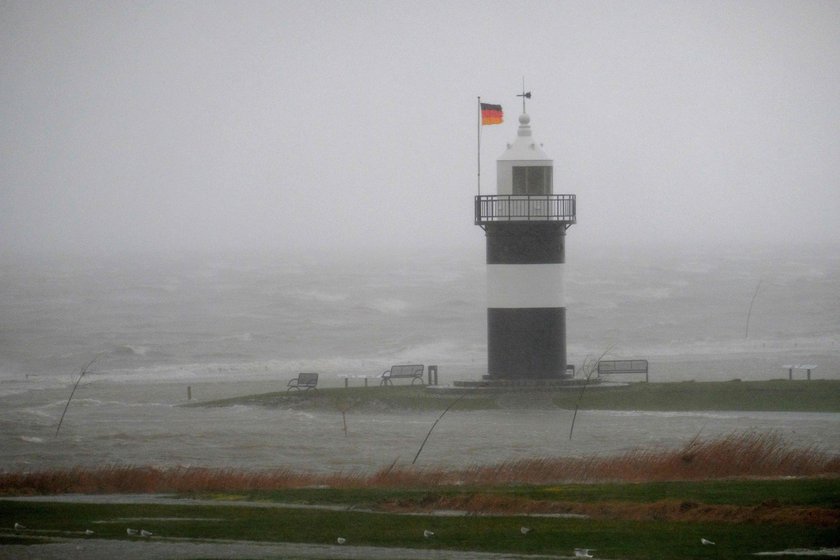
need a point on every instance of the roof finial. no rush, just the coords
(524, 95)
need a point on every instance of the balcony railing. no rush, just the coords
(519, 207)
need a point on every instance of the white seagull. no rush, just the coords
(19, 527)
(524, 530)
(145, 533)
(583, 552)
(88, 532)
(705, 541)
(131, 532)
(427, 533)
(341, 540)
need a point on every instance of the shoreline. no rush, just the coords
(778, 395)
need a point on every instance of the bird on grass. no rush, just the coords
(19, 527)
(428, 534)
(584, 552)
(705, 541)
(525, 530)
(88, 532)
(131, 532)
(341, 540)
(145, 533)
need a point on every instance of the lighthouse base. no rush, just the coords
(528, 343)
(524, 384)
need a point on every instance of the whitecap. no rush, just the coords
(319, 296)
(393, 305)
(832, 552)
(130, 350)
(722, 415)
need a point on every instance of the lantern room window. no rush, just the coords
(532, 180)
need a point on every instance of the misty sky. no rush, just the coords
(157, 126)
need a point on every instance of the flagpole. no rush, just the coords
(478, 133)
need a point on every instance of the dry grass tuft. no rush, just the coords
(735, 456)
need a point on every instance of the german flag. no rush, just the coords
(491, 114)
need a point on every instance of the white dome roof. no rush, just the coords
(524, 148)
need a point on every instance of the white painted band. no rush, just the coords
(518, 286)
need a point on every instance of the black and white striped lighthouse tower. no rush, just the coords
(525, 224)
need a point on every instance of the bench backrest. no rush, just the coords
(307, 379)
(622, 366)
(413, 370)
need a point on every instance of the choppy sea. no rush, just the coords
(237, 324)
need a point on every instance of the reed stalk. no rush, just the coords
(73, 392)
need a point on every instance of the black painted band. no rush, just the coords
(525, 243)
(526, 343)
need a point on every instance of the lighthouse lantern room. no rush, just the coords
(525, 225)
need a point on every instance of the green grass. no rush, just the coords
(612, 538)
(818, 492)
(775, 395)
(403, 397)
(789, 492)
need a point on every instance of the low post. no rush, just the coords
(366, 381)
(433, 375)
(346, 382)
(189, 393)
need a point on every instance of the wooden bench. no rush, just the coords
(413, 372)
(303, 381)
(608, 367)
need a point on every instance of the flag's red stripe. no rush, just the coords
(491, 114)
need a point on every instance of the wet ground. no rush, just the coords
(156, 547)
(54, 545)
(171, 549)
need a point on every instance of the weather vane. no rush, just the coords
(524, 95)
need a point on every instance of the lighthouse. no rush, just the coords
(525, 226)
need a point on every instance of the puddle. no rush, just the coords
(178, 550)
(825, 552)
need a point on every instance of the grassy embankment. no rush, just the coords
(635, 521)
(775, 395)
(701, 490)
